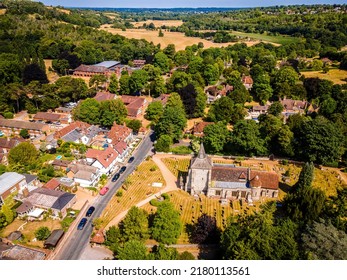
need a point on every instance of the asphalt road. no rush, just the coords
(79, 239)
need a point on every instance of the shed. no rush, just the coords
(54, 238)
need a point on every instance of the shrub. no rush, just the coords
(166, 196)
(42, 233)
(8, 115)
(154, 202)
(153, 168)
(119, 193)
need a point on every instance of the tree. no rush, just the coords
(185, 256)
(189, 96)
(215, 137)
(170, 50)
(175, 101)
(161, 252)
(112, 239)
(322, 241)
(172, 122)
(42, 233)
(166, 224)
(319, 140)
(137, 81)
(275, 109)
(305, 177)
(211, 73)
(262, 88)
(113, 86)
(221, 110)
(162, 61)
(154, 111)
(97, 81)
(8, 213)
(3, 222)
(161, 34)
(24, 133)
(205, 230)
(157, 86)
(33, 72)
(112, 111)
(132, 250)
(68, 88)
(135, 225)
(24, 153)
(135, 125)
(88, 111)
(124, 84)
(163, 143)
(246, 139)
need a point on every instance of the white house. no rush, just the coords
(104, 160)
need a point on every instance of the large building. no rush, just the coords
(226, 181)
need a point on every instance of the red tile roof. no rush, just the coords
(120, 147)
(71, 127)
(48, 116)
(247, 80)
(133, 104)
(102, 96)
(199, 127)
(105, 157)
(10, 143)
(290, 104)
(119, 133)
(52, 184)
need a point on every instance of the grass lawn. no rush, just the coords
(279, 39)
(139, 187)
(29, 229)
(337, 76)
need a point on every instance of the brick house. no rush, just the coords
(198, 129)
(135, 105)
(52, 117)
(11, 182)
(13, 127)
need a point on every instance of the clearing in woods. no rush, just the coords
(176, 38)
(337, 76)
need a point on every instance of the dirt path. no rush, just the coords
(170, 185)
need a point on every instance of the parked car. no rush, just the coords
(115, 177)
(131, 160)
(104, 190)
(82, 224)
(90, 211)
(122, 169)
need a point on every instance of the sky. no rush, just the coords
(182, 3)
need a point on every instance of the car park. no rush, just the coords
(90, 211)
(82, 223)
(104, 190)
(115, 177)
(122, 169)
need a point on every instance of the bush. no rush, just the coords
(154, 202)
(42, 233)
(166, 196)
(8, 115)
(119, 193)
(153, 168)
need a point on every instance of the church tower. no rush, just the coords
(199, 173)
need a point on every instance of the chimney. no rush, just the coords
(25, 192)
(248, 174)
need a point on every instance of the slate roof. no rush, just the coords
(46, 198)
(54, 238)
(29, 178)
(202, 161)
(24, 207)
(108, 63)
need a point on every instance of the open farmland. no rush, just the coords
(337, 76)
(176, 38)
(159, 23)
(137, 187)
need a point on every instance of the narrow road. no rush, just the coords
(79, 239)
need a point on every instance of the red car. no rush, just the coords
(104, 190)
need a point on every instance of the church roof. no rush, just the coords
(202, 161)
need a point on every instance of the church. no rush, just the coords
(226, 181)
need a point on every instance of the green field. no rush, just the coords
(278, 39)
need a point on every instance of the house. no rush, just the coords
(104, 160)
(122, 149)
(52, 117)
(32, 181)
(229, 182)
(119, 133)
(257, 110)
(163, 98)
(6, 144)
(247, 81)
(139, 63)
(135, 105)
(60, 164)
(104, 95)
(84, 175)
(78, 132)
(52, 184)
(19, 252)
(216, 92)
(198, 129)
(63, 110)
(11, 182)
(53, 200)
(292, 107)
(105, 68)
(13, 127)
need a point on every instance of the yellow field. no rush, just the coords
(159, 23)
(139, 188)
(29, 229)
(337, 76)
(176, 38)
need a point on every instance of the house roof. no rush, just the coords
(29, 178)
(76, 125)
(46, 198)
(92, 68)
(108, 63)
(48, 116)
(64, 109)
(105, 157)
(19, 252)
(133, 104)
(260, 108)
(14, 235)
(61, 162)
(118, 133)
(102, 96)
(25, 207)
(199, 127)
(247, 80)
(99, 237)
(75, 167)
(72, 136)
(120, 147)
(10, 143)
(54, 238)
(84, 175)
(8, 180)
(52, 184)
(22, 124)
(290, 104)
